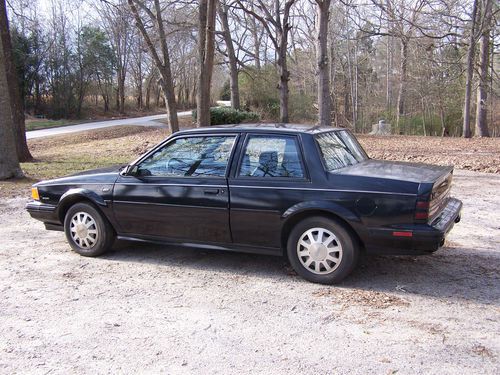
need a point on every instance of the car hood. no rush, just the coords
(114, 170)
(106, 175)
(396, 170)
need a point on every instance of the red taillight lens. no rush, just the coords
(421, 215)
(422, 210)
(423, 205)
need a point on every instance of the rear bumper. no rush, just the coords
(431, 240)
(46, 213)
(421, 238)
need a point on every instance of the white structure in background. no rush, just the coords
(381, 128)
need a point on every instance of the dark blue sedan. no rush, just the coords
(309, 193)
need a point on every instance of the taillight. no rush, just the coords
(422, 210)
(423, 205)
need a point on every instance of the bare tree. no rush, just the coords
(9, 162)
(118, 24)
(206, 52)
(231, 55)
(277, 24)
(470, 71)
(256, 37)
(484, 53)
(16, 102)
(162, 64)
(324, 98)
(137, 68)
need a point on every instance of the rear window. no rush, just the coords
(340, 149)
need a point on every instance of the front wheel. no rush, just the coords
(322, 250)
(87, 231)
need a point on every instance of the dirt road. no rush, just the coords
(141, 308)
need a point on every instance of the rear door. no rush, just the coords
(266, 179)
(180, 191)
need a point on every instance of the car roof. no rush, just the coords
(266, 127)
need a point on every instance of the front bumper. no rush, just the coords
(46, 213)
(424, 239)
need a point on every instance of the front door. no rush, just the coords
(179, 192)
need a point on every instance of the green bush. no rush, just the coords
(301, 107)
(258, 90)
(227, 115)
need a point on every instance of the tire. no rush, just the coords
(87, 231)
(328, 251)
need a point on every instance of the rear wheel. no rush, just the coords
(322, 250)
(87, 231)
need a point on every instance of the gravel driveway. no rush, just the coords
(142, 308)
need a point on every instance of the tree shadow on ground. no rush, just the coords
(451, 273)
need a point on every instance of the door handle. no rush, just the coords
(211, 191)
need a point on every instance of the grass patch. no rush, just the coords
(46, 124)
(68, 154)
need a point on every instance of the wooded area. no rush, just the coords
(427, 67)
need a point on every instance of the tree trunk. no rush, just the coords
(470, 72)
(388, 72)
(423, 117)
(444, 131)
(482, 90)
(105, 98)
(16, 102)
(283, 87)
(170, 102)
(117, 99)
(148, 93)
(402, 82)
(333, 89)
(139, 95)
(233, 64)
(121, 90)
(256, 42)
(158, 96)
(206, 35)
(347, 101)
(324, 98)
(9, 162)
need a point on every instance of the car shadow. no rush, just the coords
(451, 273)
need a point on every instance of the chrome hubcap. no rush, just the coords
(319, 250)
(83, 229)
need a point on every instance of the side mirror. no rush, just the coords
(131, 170)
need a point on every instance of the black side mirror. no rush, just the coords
(131, 170)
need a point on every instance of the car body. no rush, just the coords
(248, 188)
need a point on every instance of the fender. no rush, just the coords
(71, 194)
(327, 206)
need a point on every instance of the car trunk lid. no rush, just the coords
(395, 170)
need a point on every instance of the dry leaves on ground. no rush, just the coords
(369, 298)
(475, 154)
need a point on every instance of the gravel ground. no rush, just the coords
(142, 308)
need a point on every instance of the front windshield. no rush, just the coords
(340, 149)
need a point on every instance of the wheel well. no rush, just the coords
(287, 228)
(80, 199)
(68, 203)
(74, 200)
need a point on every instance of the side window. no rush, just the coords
(271, 156)
(195, 156)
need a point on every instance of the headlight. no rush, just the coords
(34, 193)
